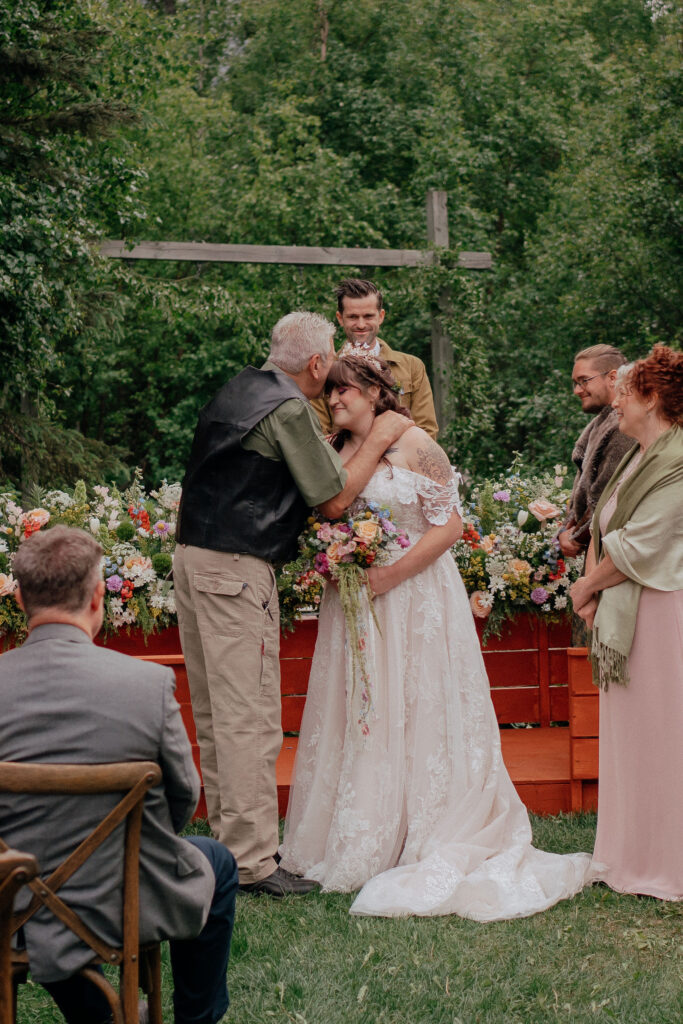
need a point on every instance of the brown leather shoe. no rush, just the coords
(280, 883)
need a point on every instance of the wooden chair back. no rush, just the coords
(132, 780)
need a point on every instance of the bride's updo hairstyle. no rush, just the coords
(363, 371)
(661, 373)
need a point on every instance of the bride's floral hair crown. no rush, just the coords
(368, 368)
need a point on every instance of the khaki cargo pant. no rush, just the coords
(230, 634)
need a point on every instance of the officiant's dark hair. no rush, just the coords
(364, 372)
(357, 288)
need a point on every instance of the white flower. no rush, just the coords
(522, 517)
(13, 512)
(560, 601)
(120, 615)
(60, 498)
(3, 546)
(168, 495)
(8, 584)
(94, 524)
(497, 585)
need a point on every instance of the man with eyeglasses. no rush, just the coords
(600, 446)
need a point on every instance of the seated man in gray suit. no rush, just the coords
(65, 700)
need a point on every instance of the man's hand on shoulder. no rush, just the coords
(389, 426)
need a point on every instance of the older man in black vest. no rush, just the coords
(258, 463)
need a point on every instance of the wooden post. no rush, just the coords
(442, 350)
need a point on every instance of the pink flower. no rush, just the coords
(543, 509)
(321, 563)
(539, 595)
(36, 518)
(325, 533)
(403, 541)
(114, 584)
(480, 603)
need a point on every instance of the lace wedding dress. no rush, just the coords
(420, 814)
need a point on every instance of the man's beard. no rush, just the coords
(366, 340)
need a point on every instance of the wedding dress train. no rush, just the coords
(420, 814)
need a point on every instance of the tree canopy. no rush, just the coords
(554, 128)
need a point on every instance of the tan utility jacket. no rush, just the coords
(411, 374)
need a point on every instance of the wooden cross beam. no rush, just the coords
(311, 255)
(210, 252)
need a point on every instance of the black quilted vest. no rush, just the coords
(237, 500)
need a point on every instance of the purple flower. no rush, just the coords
(114, 583)
(501, 496)
(161, 528)
(320, 562)
(539, 595)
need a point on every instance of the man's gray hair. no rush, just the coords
(297, 337)
(57, 568)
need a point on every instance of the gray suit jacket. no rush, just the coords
(62, 699)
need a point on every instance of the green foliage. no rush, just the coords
(601, 956)
(53, 176)
(554, 128)
(125, 531)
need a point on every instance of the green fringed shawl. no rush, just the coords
(644, 539)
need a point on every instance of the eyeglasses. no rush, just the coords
(582, 381)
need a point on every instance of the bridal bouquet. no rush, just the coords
(343, 550)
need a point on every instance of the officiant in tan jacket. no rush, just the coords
(360, 313)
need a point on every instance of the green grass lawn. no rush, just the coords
(304, 960)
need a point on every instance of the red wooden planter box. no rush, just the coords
(584, 730)
(528, 671)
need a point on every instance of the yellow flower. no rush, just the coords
(316, 525)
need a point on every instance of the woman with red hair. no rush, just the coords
(632, 597)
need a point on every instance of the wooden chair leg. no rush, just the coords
(100, 982)
(129, 991)
(150, 980)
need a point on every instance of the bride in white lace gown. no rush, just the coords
(420, 814)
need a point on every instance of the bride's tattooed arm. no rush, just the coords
(432, 461)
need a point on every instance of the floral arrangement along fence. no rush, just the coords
(508, 556)
(136, 531)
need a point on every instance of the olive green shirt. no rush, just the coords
(291, 433)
